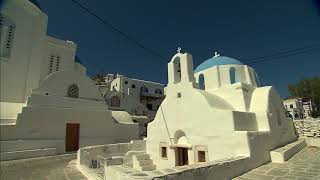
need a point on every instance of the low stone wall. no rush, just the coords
(113, 149)
(308, 127)
(224, 169)
(92, 159)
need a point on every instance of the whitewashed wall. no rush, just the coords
(21, 72)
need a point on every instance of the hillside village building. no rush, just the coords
(307, 107)
(294, 108)
(213, 113)
(48, 104)
(139, 98)
(298, 108)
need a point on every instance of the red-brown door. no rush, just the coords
(72, 137)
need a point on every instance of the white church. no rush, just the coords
(216, 111)
(48, 103)
(216, 122)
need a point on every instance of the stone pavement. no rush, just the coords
(60, 167)
(305, 165)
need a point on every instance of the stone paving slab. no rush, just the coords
(305, 165)
(60, 167)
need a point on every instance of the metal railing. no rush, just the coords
(101, 160)
(93, 164)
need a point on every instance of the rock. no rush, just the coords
(308, 127)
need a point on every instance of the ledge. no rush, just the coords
(23, 154)
(311, 141)
(284, 153)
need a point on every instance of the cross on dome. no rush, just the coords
(179, 49)
(216, 54)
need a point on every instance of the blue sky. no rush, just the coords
(239, 29)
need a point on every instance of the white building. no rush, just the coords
(135, 96)
(294, 108)
(48, 104)
(298, 108)
(307, 107)
(217, 111)
(148, 94)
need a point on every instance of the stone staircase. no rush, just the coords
(142, 162)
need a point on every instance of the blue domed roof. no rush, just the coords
(215, 61)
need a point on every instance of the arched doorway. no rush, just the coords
(115, 101)
(181, 148)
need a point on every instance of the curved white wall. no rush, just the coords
(58, 82)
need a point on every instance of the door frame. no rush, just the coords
(182, 157)
(72, 137)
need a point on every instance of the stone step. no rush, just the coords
(116, 160)
(148, 168)
(5, 156)
(146, 162)
(8, 121)
(128, 158)
(131, 153)
(127, 161)
(142, 156)
(284, 153)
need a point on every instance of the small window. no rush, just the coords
(133, 86)
(201, 82)
(164, 152)
(158, 91)
(178, 95)
(53, 59)
(125, 82)
(50, 63)
(291, 105)
(73, 91)
(58, 63)
(201, 156)
(144, 89)
(233, 75)
(7, 31)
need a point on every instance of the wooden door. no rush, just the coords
(181, 156)
(72, 137)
